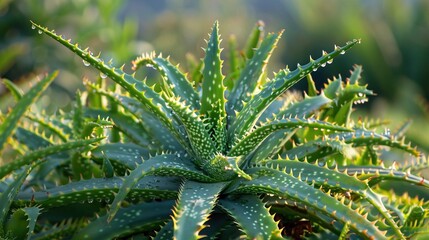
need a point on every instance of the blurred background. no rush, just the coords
(394, 50)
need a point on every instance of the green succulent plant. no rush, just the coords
(205, 156)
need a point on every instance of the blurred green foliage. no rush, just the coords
(394, 33)
(23, 53)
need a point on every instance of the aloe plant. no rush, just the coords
(190, 159)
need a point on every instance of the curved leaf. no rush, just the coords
(154, 128)
(196, 201)
(100, 190)
(323, 176)
(123, 156)
(212, 99)
(151, 100)
(202, 145)
(175, 81)
(11, 121)
(23, 218)
(374, 175)
(271, 90)
(35, 155)
(284, 185)
(247, 82)
(10, 193)
(140, 217)
(252, 216)
(167, 164)
(254, 138)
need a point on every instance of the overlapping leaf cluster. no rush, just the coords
(204, 155)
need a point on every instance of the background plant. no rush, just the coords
(393, 32)
(200, 145)
(94, 22)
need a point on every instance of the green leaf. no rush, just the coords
(318, 149)
(415, 215)
(271, 90)
(9, 124)
(362, 137)
(151, 100)
(312, 91)
(194, 68)
(355, 74)
(23, 218)
(78, 121)
(252, 216)
(296, 211)
(166, 232)
(31, 139)
(345, 144)
(369, 156)
(344, 96)
(35, 141)
(202, 145)
(10, 193)
(50, 125)
(14, 89)
(223, 168)
(175, 81)
(343, 115)
(42, 153)
(375, 175)
(281, 184)
(234, 64)
(63, 230)
(334, 179)
(333, 87)
(152, 126)
(270, 147)
(97, 190)
(167, 164)
(323, 234)
(246, 84)
(137, 218)
(212, 99)
(121, 155)
(107, 167)
(305, 107)
(218, 223)
(254, 39)
(343, 235)
(254, 138)
(196, 201)
(128, 125)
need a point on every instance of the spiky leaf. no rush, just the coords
(196, 201)
(42, 153)
(250, 75)
(10, 123)
(175, 81)
(271, 90)
(23, 218)
(334, 179)
(98, 190)
(161, 165)
(212, 99)
(10, 193)
(151, 100)
(282, 184)
(252, 216)
(140, 217)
